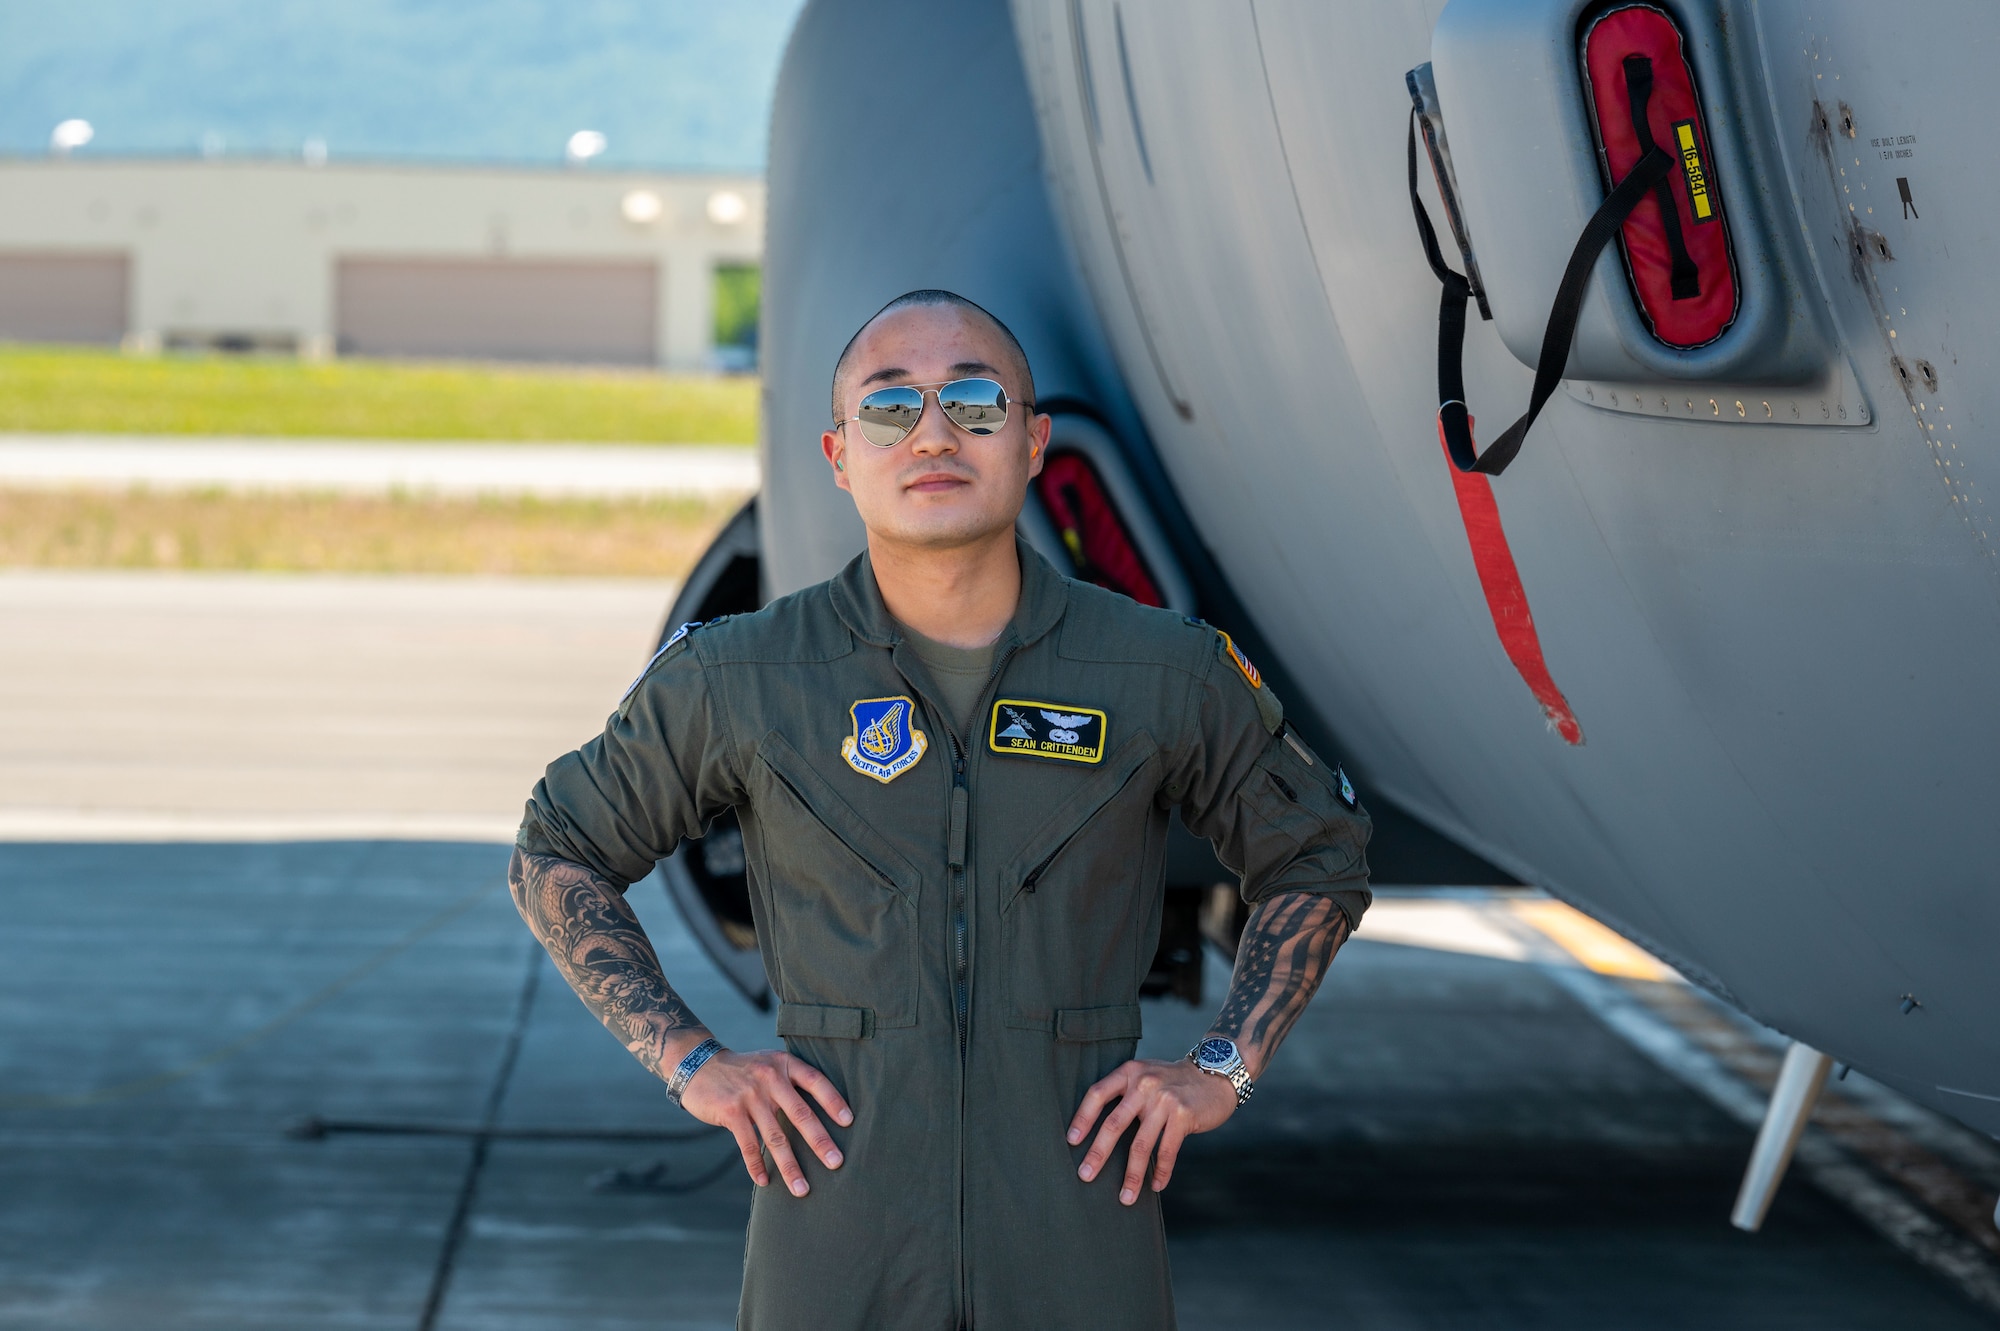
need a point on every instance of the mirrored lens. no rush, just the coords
(977, 405)
(887, 414)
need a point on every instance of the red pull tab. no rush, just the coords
(1505, 597)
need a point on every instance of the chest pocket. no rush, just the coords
(843, 918)
(1076, 899)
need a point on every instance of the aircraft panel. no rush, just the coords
(1774, 637)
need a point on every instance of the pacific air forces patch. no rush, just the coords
(1047, 730)
(886, 742)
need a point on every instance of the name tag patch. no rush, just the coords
(1047, 730)
(885, 744)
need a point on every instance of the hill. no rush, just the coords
(671, 83)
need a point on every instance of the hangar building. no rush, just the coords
(575, 265)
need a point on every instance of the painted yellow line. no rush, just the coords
(1596, 947)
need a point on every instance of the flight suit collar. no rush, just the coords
(858, 601)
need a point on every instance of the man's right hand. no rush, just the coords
(752, 1095)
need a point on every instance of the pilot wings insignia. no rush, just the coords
(1046, 730)
(884, 744)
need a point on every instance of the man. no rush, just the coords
(954, 770)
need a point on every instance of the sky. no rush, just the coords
(683, 84)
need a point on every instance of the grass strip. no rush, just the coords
(72, 390)
(650, 538)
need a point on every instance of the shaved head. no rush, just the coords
(1018, 366)
(938, 486)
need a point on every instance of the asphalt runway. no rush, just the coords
(374, 466)
(1463, 1132)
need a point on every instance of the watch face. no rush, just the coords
(1216, 1053)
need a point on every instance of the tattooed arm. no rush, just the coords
(1287, 945)
(602, 950)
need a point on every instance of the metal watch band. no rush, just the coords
(1239, 1076)
(690, 1065)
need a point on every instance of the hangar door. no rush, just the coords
(53, 297)
(500, 309)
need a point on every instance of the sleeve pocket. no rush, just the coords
(1302, 833)
(1294, 794)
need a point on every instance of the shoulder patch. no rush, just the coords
(673, 640)
(1240, 661)
(1269, 710)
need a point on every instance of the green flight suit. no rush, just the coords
(958, 947)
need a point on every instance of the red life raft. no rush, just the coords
(1091, 530)
(1661, 203)
(1676, 242)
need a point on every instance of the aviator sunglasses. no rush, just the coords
(976, 406)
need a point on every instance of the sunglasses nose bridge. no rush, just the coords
(939, 422)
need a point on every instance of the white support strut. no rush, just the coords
(1792, 1101)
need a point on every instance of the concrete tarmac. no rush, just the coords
(1451, 1139)
(164, 705)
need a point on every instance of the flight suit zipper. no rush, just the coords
(958, 833)
(961, 812)
(957, 838)
(961, 803)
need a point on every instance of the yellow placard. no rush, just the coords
(1700, 198)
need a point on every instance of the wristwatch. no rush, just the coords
(1218, 1056)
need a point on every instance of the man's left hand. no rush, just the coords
(1169, 1101)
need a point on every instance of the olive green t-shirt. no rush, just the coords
(961, 674)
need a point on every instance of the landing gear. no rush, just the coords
(1792, 1101)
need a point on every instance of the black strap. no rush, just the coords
(1686, 279)
(1453, 415)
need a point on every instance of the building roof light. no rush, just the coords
(70, 135)
(726, 207)
(584, 145)
(642, 207)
